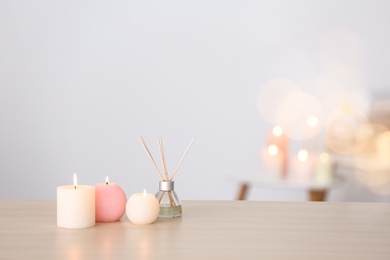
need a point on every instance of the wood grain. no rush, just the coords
(207, 230)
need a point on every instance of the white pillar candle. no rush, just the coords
(142, 208)
(324, 171)
(272, 162)
(302, 166)
(75, 206)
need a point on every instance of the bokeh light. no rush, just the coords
(303, 155)
(296, 111)
(324, 89)
(374, 175)
(273, 149)
(270, 97)
(342, 129)
(324, 157)
(335, 100)
(277, 131)
(312, 121)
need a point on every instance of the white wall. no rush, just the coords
(80, 80)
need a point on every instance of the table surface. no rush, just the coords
(207, 230)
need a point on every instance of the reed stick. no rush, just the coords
(162, 196)
(162, 154)
(171, 200)
(141, 139)
(182, 158)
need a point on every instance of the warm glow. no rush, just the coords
(303, 155)
(74, 180)
(348, 131)
(296, 111)
(312, 121)
(144, 248)
(374, 175)
(324, 157)
(74, 253)
(277, 131)
(387, 133)
(144, 192)
(271, 98)
(107, 180)
(273, 149)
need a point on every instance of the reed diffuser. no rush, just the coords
(170, 206)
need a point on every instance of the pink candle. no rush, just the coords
(277, 138)
(110, 202)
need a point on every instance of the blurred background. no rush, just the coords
(81, 80)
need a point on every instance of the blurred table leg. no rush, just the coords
(242, 191)
(317, 195)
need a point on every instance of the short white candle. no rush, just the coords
(142, 208)
(75, 205)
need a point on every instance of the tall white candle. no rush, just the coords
(302, 166)
(324, 169)
(272, 162)
(75, 205)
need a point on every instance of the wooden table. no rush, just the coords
(207, 230)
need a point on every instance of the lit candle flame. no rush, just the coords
(277, 131)
(324, 157)
(106, 180)
(273, 149)
(303, 155)
(144, 192)
(312, 121)
(74, 180)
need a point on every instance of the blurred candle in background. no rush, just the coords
(272, 162)
(276, 138)
(302, 166)
(324, 169)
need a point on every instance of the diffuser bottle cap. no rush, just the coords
(166, 185)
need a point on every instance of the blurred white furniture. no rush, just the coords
(316, 191)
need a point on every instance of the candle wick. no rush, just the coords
(106, 182)
(75, 186)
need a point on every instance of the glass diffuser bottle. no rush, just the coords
(170, 206)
